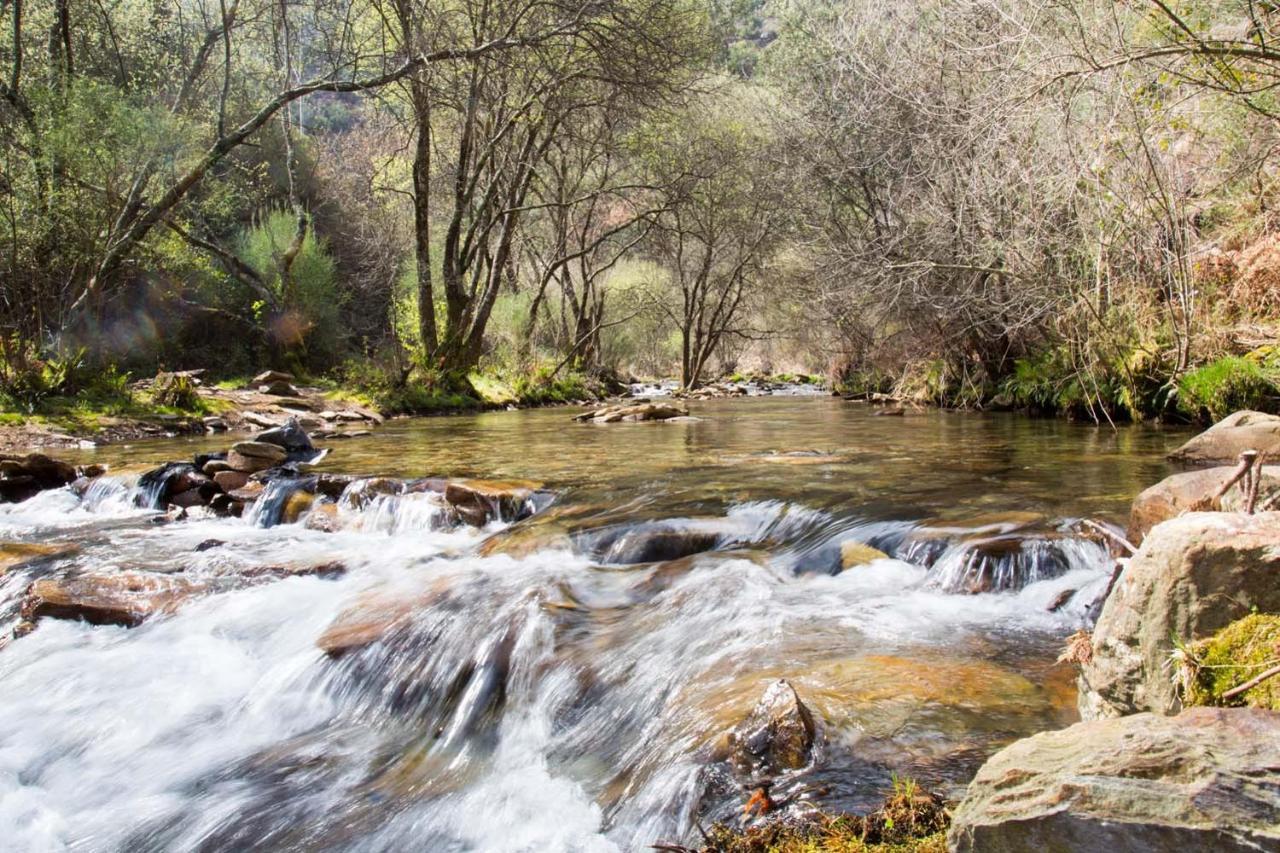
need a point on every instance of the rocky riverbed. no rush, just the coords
(375, 646)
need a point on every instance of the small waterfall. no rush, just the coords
(109, 495)
(267, 510)
(409, 513)
(1005, 564)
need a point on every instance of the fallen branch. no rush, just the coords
(1112, 535)
(1251, 683)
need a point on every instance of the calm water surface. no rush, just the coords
(545, 696)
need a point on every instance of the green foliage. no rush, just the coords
(1227, 385)
(1236, 654)
(313, 303)
(177, 391)
(28, 378)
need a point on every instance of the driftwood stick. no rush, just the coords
(1251, 683)
(1255, 481)
(1111, 534)
(1241, 470)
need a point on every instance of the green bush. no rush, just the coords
(1224, 386)
(28, 377)
(314, 272)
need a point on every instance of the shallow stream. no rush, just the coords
(553, 686)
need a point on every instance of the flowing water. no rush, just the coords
(558, 685)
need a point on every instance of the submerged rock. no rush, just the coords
(1206, 779)
(121, 598)
(634, 412)
(653, 541)
(1193, 490)
(778, 736)
(18, 554)
(377, 614)
(1223, 442)
(854, 554)
(1193, 576)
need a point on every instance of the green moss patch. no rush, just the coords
(1233, 656)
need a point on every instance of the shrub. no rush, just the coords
(1224, 386)
(177, 391)
(29, 377)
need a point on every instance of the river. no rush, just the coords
(548, 694)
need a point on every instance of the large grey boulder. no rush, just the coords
(1193, 576)
(1207, 779)
(1223, 442)
(1190, 490)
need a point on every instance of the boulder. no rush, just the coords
(296, 506)
(777, 736)
(1206, 779)
(229, 481)
(654, 541)
(1223, 442)
(481, 501)
(291, 437)
(279, 388)
(157, 487)
(360, 493)
(1193, 490)
(252, 456)
(269, 376)
(22, 477)
(1193, 576)
(121, 598)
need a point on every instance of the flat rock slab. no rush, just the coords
(1223, 442)
(1188, 491)
(1207, 779)
(122, 598)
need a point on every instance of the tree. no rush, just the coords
(724, 217)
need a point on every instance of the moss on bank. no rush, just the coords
(1132, 386)
(910, 821)
(1230, 658)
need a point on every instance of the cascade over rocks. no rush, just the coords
(1223, 442)
(1206, 779)
(656, 540)
(1193, 576)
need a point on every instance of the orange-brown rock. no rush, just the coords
(120, 598)
(376, 614)
(229, 481)
(15, 554)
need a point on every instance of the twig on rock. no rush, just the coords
(1251, 683)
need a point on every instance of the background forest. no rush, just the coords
(1064, 206)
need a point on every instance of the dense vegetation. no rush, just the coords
(1064, 207)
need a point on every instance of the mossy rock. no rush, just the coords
(1244, 649)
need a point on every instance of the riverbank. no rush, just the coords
(141, 410)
